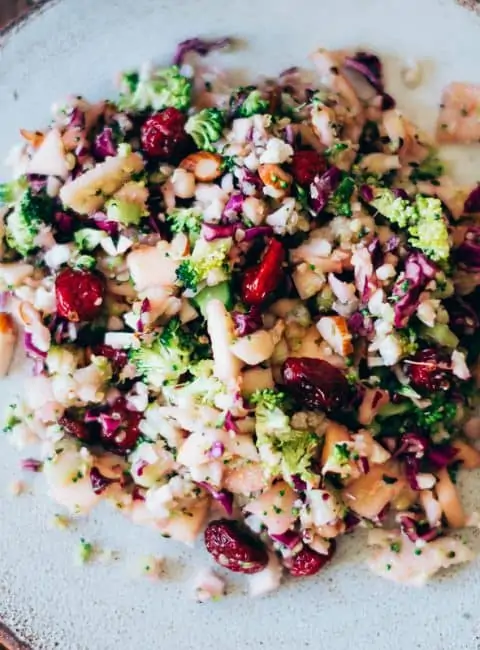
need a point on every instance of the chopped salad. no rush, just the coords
(251, 312)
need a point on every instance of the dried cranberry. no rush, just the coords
(306, 164)
(316, 383)
(76, 428)
(120, 427)
(260, 281)
(234, 548)
(429, 370)
(308, 562)
(163, 134)
(118, 358)
(79, 294)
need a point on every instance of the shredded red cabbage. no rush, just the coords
(415, 530)
(104, 144)
(441, 455)
(233, 208)
(289, 538)
(31, 349)
(468, 253)
(230, 424)
(257, 231)
(472, 204)
(102, 223)
(418, 272)
(32, 465)
(248, 323)
(98, 481)
(212, 231)
(323, 188)
(199, 46)
(223, 497)
(76, 118)
(369, 66)
(217, 449)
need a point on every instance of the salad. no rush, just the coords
(251, 313)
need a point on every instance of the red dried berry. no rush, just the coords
(429, 370)
(234, 548)
(79, 295)
(260, 281)
(76, 428)
(308, 562)
(306, 164)
(120, 427)
(163, 134)
(316, 383)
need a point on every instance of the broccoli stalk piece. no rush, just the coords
(283, 450)
(187, 220)
(207, 259)
(161, 88)
(24, 222)
(206, 127)
(166, 358)
(125, 212)
(424, 220)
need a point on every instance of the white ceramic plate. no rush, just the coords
(77, 47)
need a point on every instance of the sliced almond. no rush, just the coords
(8, 335)
(449, 500)
(276, 177)
(28, 314)
(34, 138)
(334, 330)
(205, 165)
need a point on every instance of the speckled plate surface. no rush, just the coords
(77, 47)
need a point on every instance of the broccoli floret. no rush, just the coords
(160, 89)
(166, 358)
(206, 127)
(87, 239)
(254, 104)
(205, 388)
(283, 450)
(429, 169)
(397, 210)
(267, 398)
(12, 191)
(187, 220)
(246, 101)
(427, 226)
(207, 259)
(25, 221)
(430, 232)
